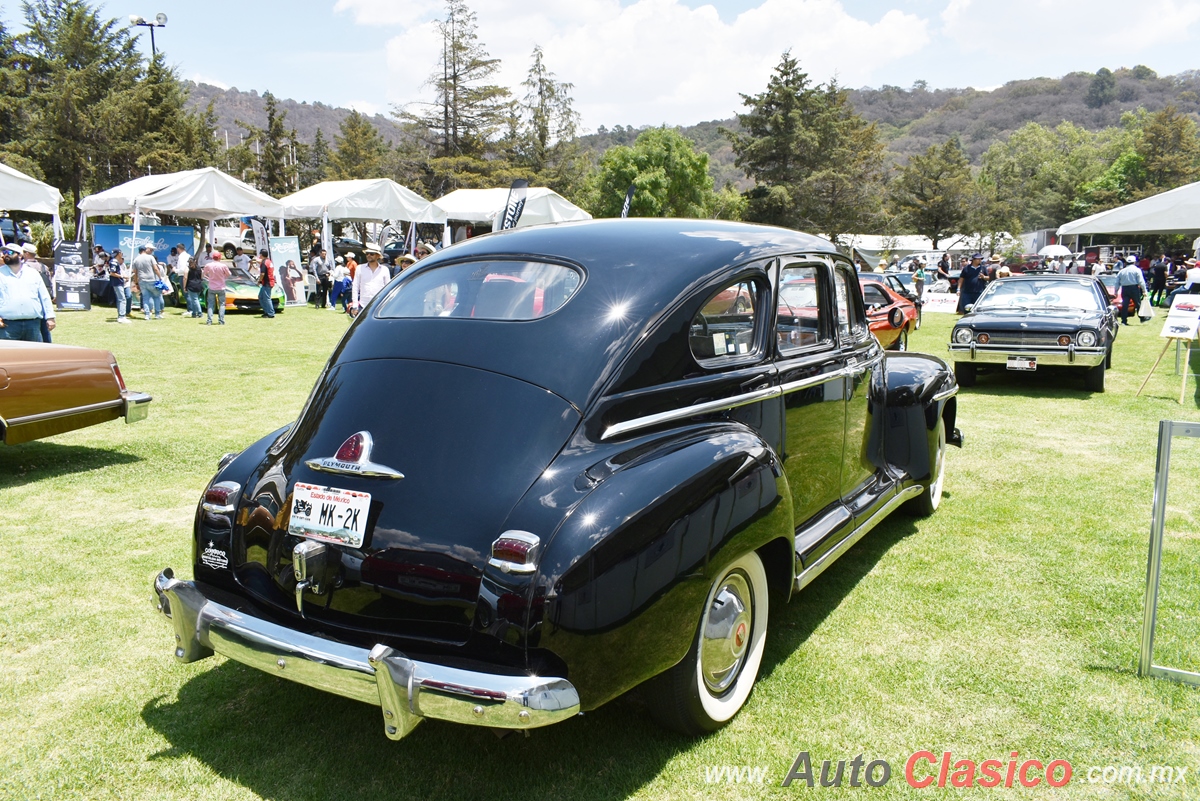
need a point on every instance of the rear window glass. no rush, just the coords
(484, 290)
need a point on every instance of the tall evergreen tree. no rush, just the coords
(815, 163)
(932, 194)
(361, 150)
(314, 167)
(548, 144)
(81, 71)
(1169, 149)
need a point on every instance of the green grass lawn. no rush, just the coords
(1009, 621)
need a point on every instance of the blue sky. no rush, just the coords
(646, 62)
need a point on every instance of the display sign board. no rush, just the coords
(945, 302)
(72, 283)
(285, 254)
(163, 237)
(1183, 319)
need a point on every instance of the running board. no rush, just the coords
(829, 557)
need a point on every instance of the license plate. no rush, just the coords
(329, 514)
(1022, 363)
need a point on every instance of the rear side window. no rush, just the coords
(484, 290)
(724, 327)
(874, 296)
(802, 319)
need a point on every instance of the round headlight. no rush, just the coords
(1087, 339)
(962, 336)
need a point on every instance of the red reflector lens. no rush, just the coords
(351, 450)
(120, 378)
(222, 494)
(1064, 340)
(510, 550)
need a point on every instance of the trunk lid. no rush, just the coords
(469, 444)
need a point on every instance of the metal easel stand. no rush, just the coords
(1146, 667)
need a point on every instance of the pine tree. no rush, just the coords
(816, 164)
(314, 167)
(1169, 149)
(361, 150)
(932, 194)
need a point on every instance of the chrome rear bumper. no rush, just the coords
(406, 689)
(135, 406)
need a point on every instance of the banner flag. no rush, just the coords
(515, 205)
(628, 202)
(260, 235)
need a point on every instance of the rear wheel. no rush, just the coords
(1093, 378)
(229, 250)
(964, 373)
(704, 691)
(930, 498)
(901, 342)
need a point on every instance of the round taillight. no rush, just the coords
(1064, 340)
(352, 449)
(983, 339)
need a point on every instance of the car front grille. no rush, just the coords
(1023, 339)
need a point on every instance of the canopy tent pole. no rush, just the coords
(326, 231)
(137, 217)
(56, 223)
(446, 235)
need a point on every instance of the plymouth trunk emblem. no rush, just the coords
(354, 458)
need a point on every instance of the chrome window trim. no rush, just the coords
(722, 404)
(92, 407)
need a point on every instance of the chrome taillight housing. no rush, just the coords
(516, 552)
(221, 498)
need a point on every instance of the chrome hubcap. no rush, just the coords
(725, 638)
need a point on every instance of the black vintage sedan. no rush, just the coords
(549, 465)
(1026, 322)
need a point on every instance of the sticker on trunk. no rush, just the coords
(329, 514)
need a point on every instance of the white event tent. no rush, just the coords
(1176, 211)
(542, 205)
(20, 192)
(205, 194)
(363, 200)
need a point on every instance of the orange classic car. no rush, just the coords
(48, 389)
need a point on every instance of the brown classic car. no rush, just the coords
(48, 389)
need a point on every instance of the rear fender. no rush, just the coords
(627, 572)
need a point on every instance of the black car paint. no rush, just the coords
(633, 527)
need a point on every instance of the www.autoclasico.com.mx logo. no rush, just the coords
(927, 769)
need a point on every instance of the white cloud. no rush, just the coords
(198, 78)
(652, 61)
(365, 107)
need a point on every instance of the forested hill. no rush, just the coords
(232, 105)
(909, 119)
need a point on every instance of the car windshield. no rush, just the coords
(487, 290)
(238, 274)
(1031, 294)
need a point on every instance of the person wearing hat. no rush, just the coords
(119, 277)
(145, 276)
(994, 263)
(370, 278)
(340, 278)
(403, 263)
(26, 311)
(266, 282)
(971, 282)
(1132, 285)
(424, 249)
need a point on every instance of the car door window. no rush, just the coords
(724, 328)
(801, 321)
(874, 296)
(850, 316)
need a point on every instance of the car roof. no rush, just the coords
(636, 269)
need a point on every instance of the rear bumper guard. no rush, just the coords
(407, 690)
(135, 406)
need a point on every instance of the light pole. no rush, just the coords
(160, 21)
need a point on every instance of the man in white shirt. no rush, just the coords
(241, 261)
(1191, 283)
(369, 278)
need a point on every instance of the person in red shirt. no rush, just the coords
(266, 282)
